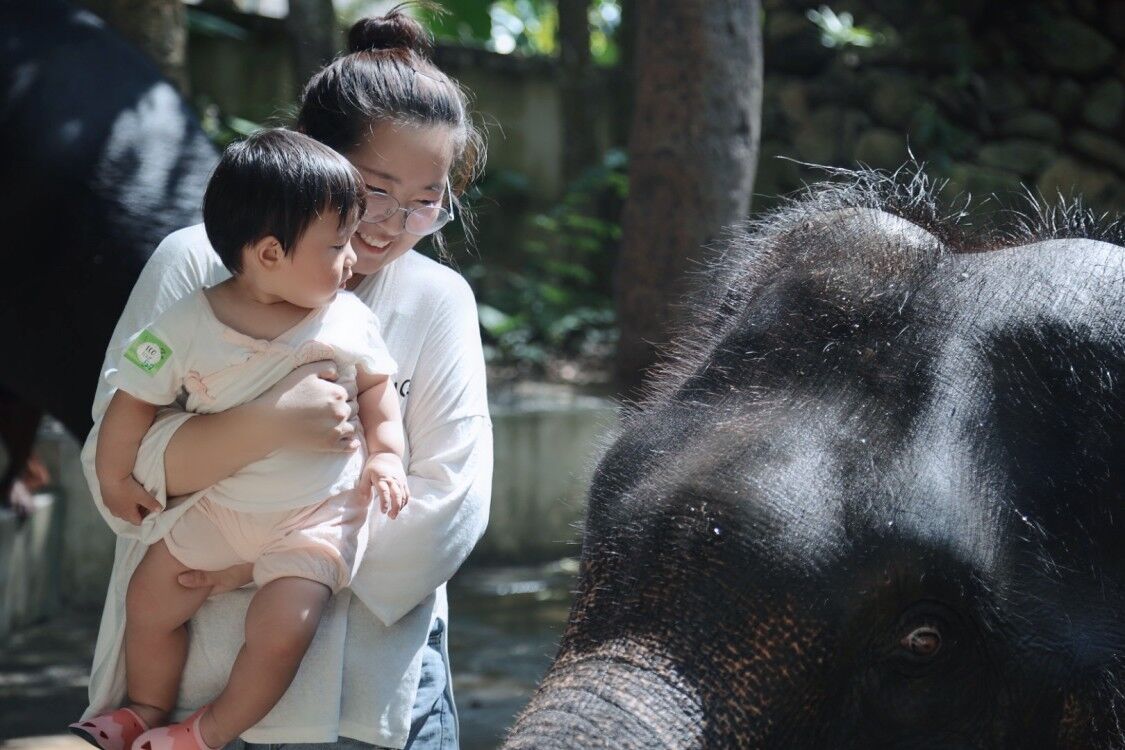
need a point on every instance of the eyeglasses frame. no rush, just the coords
(409, 211)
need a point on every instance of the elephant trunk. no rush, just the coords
(621, 696)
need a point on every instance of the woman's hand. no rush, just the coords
(219, 581)
(311, 410)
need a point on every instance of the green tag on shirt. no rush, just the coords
(148, 352)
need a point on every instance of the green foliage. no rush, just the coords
(467, 21)
(528, 27)
(605, 18)
(839, 31)
(221, 128)
(554, 298)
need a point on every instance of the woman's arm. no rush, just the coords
(449, 442)
(305, 409)
(450, 488)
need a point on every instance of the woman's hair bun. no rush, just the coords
(394, 31)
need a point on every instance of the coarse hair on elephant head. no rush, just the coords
(873, 498)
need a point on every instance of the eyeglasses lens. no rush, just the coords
(421, 221)
(426, 220)
(380, 207)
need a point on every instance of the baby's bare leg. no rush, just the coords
(157, 609)
(280, 625)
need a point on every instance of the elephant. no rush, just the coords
(874, 496)
(101, 158)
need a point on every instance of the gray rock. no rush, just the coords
(1032, 124)
(1086, 9)
(1115, 21)
(818, 140)
(1003, 94)
(894, 100)
(1105, 104)
(853, 124)
(1069, 46)
(955, 98)
(1039, 89)
(1100, 149)
(792, 97)
(881, 148)
(971, 179)
(1021, 156)
(1070, 177)
(1067, 96)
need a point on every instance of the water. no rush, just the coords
(504, 631)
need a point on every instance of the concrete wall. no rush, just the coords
(517, 99)
(547, 439)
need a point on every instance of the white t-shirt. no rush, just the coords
(360, 675)
(187, 353)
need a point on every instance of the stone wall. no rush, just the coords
(989, 95)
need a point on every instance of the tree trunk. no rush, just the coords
(580, 149)
(623, 77)
(315, 35)
(693, 151)
(157, 27)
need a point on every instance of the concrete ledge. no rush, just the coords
(28, 562)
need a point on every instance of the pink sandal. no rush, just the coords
(112, 731)
(182, 736)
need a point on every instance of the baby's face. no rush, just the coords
(320, 263)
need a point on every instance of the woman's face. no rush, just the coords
(409, 163)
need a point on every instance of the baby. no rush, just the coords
(280, 211)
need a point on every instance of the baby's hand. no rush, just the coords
(128, 500)
(385, 476)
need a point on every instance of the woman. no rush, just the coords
(376, 675)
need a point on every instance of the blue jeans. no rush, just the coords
(433, 720)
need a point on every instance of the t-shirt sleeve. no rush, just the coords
(151, 366)
(449, 439)
(181, 264)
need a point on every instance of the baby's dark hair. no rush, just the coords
(275, 184)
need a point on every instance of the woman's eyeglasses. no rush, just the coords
(421, 221)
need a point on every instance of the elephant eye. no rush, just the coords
(922, 642)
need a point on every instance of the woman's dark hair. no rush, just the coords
(276, 183)
(387, 76)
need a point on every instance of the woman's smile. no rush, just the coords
(373, 241)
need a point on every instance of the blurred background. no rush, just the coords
(623, 136)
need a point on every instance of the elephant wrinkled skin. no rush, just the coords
(873, 501)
